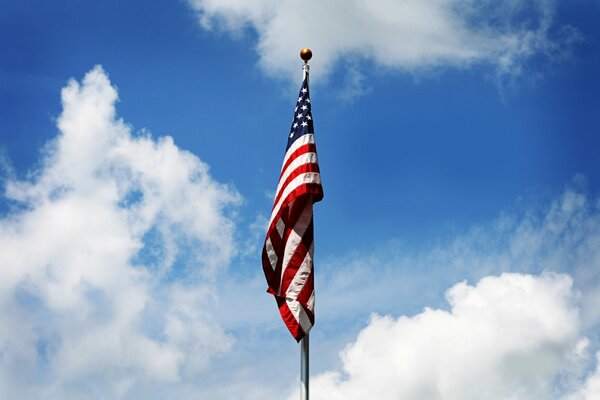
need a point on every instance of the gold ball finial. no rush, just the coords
(305, 54)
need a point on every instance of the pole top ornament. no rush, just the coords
(306, 54)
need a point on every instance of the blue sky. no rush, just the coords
(457, 143)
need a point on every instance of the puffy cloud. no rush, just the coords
(395, 280)
(512, 336)
(410, 35)
(93, 300)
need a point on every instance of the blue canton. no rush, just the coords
(302, 122)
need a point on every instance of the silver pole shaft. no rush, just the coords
(305, 69)
(304, 368)
(304, 342)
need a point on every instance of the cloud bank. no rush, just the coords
(513, 336)
(518, 332)
(99, 293)
(408, 35)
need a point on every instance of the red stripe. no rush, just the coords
(266, 263)
(273, 274)
(276, 277)
(302, 169)
(297, 258)
(313, 189)
(306, 148)
(310, 314)
(307, 290)
(289, 319)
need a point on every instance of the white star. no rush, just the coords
(304, 123)
(295, 109)
(291, 134)
(304, 107)
(308, 100)
(308, 117)
(298, 115)
(295, 125)
(304, 90)
(299, 99)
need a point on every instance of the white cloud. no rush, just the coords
(92, 300)
(590, 390)
(562, 236)
(101, 297)
(513, 336)
(409, 35)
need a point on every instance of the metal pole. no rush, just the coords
(304, 368)
(304, 342)
(306, 55)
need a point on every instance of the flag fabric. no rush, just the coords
(287, 255)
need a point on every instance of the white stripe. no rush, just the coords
(295, 237)
(311, 302)
(280, 227)
(301, 141)
(306, 158)
(307, 177)
(299, 314)
(271, 253)
(301, 276)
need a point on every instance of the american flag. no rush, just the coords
(287, 255)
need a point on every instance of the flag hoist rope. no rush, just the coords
(306, 55)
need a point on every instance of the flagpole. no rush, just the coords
(305, 54)
(304, 368)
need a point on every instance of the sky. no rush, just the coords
(457, 248)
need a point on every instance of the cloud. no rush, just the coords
(107, 257)
(114, 252)
(409, 35)
(517, 249)
(512, 336)
(590, 390)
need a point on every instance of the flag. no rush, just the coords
(287, 255)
